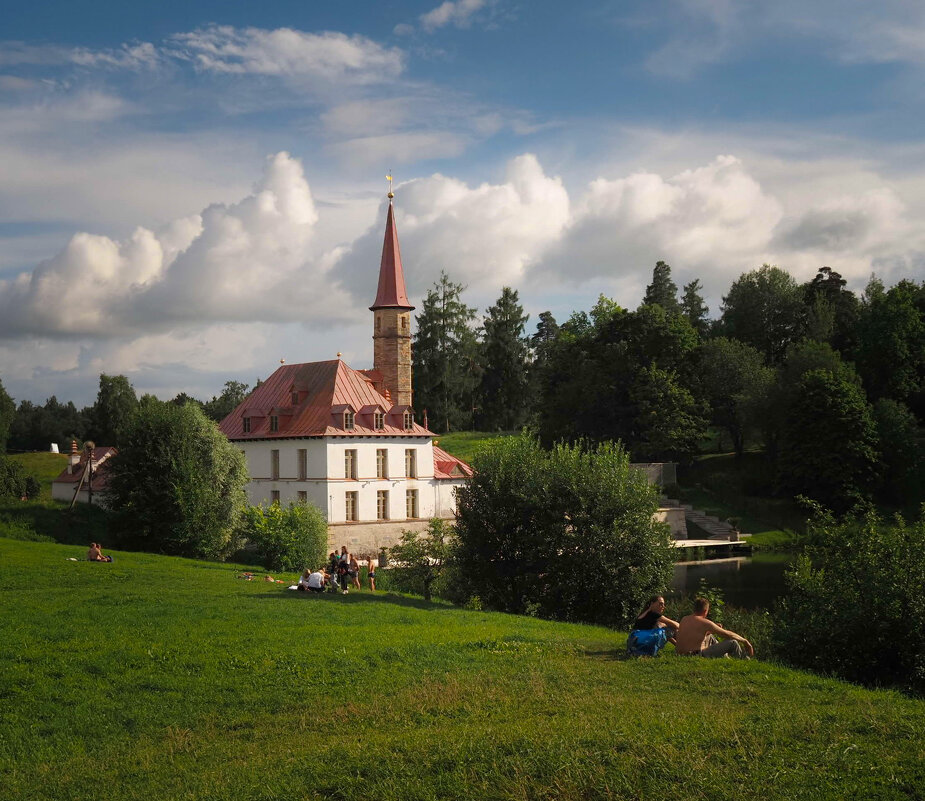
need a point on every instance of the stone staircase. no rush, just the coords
(712, 527)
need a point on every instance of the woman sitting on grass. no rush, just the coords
(95, 554)
(651, 629)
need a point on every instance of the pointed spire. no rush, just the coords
(391, 293)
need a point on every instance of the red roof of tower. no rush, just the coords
(391, 293)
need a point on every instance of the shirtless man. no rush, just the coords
(694, 630)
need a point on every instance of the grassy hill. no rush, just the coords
(162, 678)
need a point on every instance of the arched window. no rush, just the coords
(409, 421)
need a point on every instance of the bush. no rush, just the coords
(419, 559)
(177, 483)
(289, 537)
(15, 482)
(856, 601)
(567, 534)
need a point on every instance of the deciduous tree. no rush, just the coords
(177, 483)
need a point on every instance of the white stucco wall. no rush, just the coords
(326, 484)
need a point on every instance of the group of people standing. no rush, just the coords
(341, 572)
(694, 635)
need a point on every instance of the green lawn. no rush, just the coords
(162, 678)
(465, 444)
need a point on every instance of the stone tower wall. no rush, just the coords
(392, 352)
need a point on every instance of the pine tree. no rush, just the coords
(503, 390)
(662, 290)
(693, 307)
(444, 362)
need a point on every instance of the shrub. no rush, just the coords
(15, 482)
(856, 601)
(289, 537)
(568, 534)
(419, 559)
(177, 483)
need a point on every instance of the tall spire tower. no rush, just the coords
(392, 318)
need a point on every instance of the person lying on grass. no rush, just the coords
(694, 631)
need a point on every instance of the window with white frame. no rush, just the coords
(350, 506)
(348, 420)
(382, 505)
(378, 421)
(382, 463)
(408, 421)
(411, 463)
(411, 504)
(350, 464)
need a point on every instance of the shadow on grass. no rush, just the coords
(611, 655)
(361, 598)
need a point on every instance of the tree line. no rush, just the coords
(829, 383)
(33, 427)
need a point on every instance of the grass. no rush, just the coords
(163, 678)
(465, 444)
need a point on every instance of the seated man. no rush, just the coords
(316, 582)
(694, 630)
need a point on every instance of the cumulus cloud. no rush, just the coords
(484, 236)
(289, 53)
(248, 261)
(458, 13)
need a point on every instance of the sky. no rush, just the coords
(192, 191)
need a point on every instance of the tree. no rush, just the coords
(7, 412)
(292, 537)
(419, 559)
(598, 383)
(444, 357)
(735, 383)
(829, 444)
(503, 394)
(902, 454)
(35, 427)
(15, 482)
(567, 534)
(694, 309)
(855, 599)
(891, 343)
(232, 396)
(833, 311)
(662, 290)
(765, 309)
(115, 404)
(177, 484)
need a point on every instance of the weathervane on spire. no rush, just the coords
(389, 179)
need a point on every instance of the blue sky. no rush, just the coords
(192, 191)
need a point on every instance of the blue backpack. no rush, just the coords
(646, 642)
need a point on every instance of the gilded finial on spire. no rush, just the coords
(389, 179)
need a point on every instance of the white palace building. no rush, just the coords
(347, 440)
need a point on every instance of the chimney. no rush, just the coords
(73, 458)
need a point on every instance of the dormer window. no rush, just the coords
(295, 398)
(247, 425)
(274, 423)
(408, 420)
(348, 420)
(378, 421)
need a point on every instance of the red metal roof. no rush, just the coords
(391, 293)
(326, 390)
(448, 466)
(101, 457)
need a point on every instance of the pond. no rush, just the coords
(749, 582)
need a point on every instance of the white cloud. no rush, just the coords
(289, 53)
(133, 56)
(485, 236)
(249, 261)
(458, 13)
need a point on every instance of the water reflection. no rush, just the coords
(750, 582)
